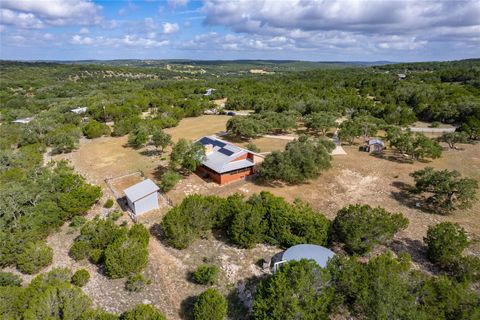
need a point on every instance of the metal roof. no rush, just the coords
(375, 141)
(309, 251)
(222, 157)
(141, 190)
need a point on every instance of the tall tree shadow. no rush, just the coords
(407, 196)
(417, 250)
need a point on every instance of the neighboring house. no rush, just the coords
(209, 92)
(374, 145)
(79, 110)
(225, 162)
(23, 120)
(319, 254)
(142, 197)
(402, 76)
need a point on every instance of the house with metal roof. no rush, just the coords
(319, 254)
(23, 120)
(225, 162)
(142, 197)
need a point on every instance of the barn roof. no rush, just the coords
(141, 190)
(221, 157)
(309, 251)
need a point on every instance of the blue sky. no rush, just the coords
(318, 30)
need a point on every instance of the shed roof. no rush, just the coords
(222, 157)
(309, 251)
(141, 190)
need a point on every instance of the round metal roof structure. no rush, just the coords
(309, 251)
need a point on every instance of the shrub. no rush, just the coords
(210, 305)
(78, 221)
(445, 241)
(94, 129)
(298, 290)
(136, 282)
(115, 215)
(96, 256)
(143, 312)
(109, 203)
(124, 256)
(360, 227)
(80, 277)
(9, 279)
(464, 269)
(169, 180)
(206, 274)
(79, 250)
(35, 257)
(252, 147)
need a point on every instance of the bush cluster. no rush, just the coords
(303, 159)
(206, 274)
(121, 251)
(263, 218)
(80, 277)
(360, 227)
(210, 305)
(136, 282)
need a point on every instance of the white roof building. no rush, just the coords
(23, 120)
(142, 197)
(79, 110)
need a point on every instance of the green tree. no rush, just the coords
(124, 256)
(360, 227)
(349, 130)
(452, 138)
(417, 145)
(471, 126)
(160, 139)
(445, 242)
(381, 288)
(35, 257)
(245, 127)
(169, 180)
(138, 137)
(320, 121)
(143, 312)
(302, 159)
(298, 290)
(210, 305)
(187, 155)
(449, 191)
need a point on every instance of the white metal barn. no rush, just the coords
(142, 197)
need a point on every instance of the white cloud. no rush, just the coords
(177, 3)
(84, 31)
(20, 19)
(125, 41)
(363, 24)
(53, 12)
(170, 28)
(48, 36)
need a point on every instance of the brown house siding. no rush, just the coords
(224, 178)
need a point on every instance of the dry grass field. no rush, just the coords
(354, 178)
(194, 128)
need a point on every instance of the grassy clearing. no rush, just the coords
(194, 128)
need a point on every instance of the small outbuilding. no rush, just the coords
(319, 254)
(79, 110)
(23, 120)
(375, 145)
(142, 197)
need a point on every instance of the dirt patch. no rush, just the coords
(195, 128)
